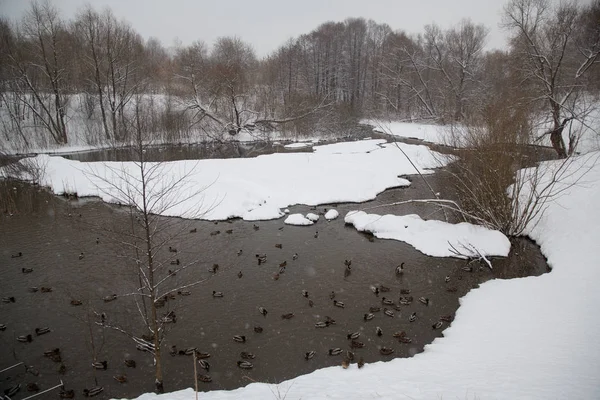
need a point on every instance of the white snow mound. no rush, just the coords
(434, 238)
(312, 216)
(331, 215)
(297, 219)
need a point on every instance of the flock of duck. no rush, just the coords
(388, 307)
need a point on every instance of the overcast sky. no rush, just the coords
(266, 24)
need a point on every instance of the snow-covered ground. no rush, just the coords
(528, 338)
(440, 134)
(253, 188)
(433, 238)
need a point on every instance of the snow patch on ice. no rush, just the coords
(432, 237)
(298, 219)
(331, 214)
(312, 216)
(299, 145)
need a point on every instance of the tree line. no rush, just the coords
(95, 67)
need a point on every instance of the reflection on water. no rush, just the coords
(52, 238)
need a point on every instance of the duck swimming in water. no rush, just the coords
(217, 294)
(424, 300)
(93, 391)
(239, 338)
(25, 338)
(368, 316)
(247, 356)
(309, 354)
(386, 351)
(387, 312)
(130, 363)
(413, 317)
(378, 331)
(263, 311)
(26, 270)
(120, 378)
(338, 304)
(438, 325)
(42, 331)
(287, 316)
(335, 351)
(353, 335)
(204, 378)
(400, 269)
(204, 365)
(245, 364)
(100, 365)
(16, 255)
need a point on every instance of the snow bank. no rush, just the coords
(331, 215)
(297, 219)
(428, 132)
(299, 145)
(433, 238)
(252, 188)
(529, 338)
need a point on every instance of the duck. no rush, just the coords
(452, 289)
(389, 313)
(172, 273)
(240, 274)
(345, 363)
(375, 290)
(204, 378)
(217, 294)
(214, 268)
(368, 316)
(283, 264)
(75, 302)
(10, 299)
(239, 338)
(175, 261)
(54, 355)
(93, 391)
(383, 289)
(229, 231)
(172, 351)
(255, 227)
(438, 325)
(329, 320)
(338, 304)
(130, 363)
(276, 276)
(413, 317)
(287, 316)
(279, 246)
(400, 269)
(404, 291)
(204, 365)
(201, 355)
(361, 362)
(81, 256)
(11, 391)
(261, 259)
(245, 364)
(310, 303)
(404, 339)
(67, 394)
(282, 270)
(424, 300)
(42, 331)
(258, 329)
(399, 334)
(109, 298)
(347, 263)
(447, 278)
(304, 293)
(215, 233)
(353, 335)
(468, 268)
(194, 230)
(335, 351)
(387, 301)
(378, 331)
(263, 311)
(184, 292)
(316, 234)
(386, 351)
(62, 369)
(100, 365)
(26, 270)
(356, 344)
(447, 318)
(332, 295)
(405, 301)
(294, 256)
(120, 378)
(187, 352)
(321, 324)
(172, 249)
(350, 355)
(309, 354)
(25, 338)
(239, 252)
(97, 240)
(2, 327)
(347, 272)
(247, 356)
(33, 387)
(16, 255)
(33, 289)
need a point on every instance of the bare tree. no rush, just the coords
(150, 190)
(554, 65)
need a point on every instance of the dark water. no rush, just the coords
(52, 237)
